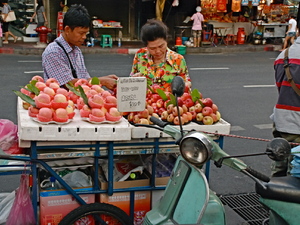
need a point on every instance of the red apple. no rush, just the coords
(206, 111)
(198, 108)
(189, 102)
(207, 102)
(214, 107)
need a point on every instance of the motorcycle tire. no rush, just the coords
(98, 213)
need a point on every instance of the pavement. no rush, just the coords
(129, 47)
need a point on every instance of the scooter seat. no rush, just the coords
(285, 189)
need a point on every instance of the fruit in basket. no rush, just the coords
(45, 115)
(54, 86)
(70, 111)
(206, 111)
(207, 102)
(62, 91)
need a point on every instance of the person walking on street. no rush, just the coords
(291, 33)
(5, 10)
(198, 20)
(40, 13)
(286, 112)
(63, 60)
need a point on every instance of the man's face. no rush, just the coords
(76, 36)
(157, 48)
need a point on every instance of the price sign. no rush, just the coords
(131, 94)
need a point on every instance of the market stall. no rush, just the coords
(92, 136)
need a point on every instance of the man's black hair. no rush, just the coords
(76, 16)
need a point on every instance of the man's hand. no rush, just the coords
(109, 81)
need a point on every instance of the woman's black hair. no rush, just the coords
(77, 16)
(40, 3)
(153, 30)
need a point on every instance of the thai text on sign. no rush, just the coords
(131, 94)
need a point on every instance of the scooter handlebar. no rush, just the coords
(158, 122)
(257, 174)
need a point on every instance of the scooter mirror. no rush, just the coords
(178, 86)
(278, 149)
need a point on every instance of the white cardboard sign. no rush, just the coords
(131, 94)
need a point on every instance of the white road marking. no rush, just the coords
(259, 85)
(34, 72)
(28, 61)
(212, 68)
(236, 128)
(264, 126)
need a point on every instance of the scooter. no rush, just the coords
(187, 198)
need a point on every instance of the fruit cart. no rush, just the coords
(79, 139)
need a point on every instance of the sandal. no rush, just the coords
(5, 42)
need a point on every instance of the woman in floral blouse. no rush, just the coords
(156, 61)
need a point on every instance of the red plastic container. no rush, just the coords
(178, 41)
(241, 36)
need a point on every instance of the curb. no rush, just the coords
(39, 49)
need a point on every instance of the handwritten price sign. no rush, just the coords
(131, 94)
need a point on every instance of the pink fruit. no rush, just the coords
(81, 82)
(164, 115)
(59, 101)
(188, 102)
(96, 101)
(198, 108)
(40, 85)
(54, 86)
(97, 88)
(43, 100)
(80, 103)
(60, 115)
(32, 111)
(38, 78)
(85, 111)
(90, 93)
(97, 115)
(62, 91)
(51, 80)
(214, 108)
(175, 112)
(150, 109)
(104, 94)
(111, 99)
(73, 96)
(199, 117)
(45, 115)
(113, 114)
(214, 116)
(70, 111)
(49, 91)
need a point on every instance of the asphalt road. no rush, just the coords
(241, 84)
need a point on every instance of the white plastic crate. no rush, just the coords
(221, 127)
(77, 130)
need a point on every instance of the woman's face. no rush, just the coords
(157, 48)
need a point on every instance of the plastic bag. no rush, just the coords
(9, 137)
(6, 202)
(22, 210)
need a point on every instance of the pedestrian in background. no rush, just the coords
(198, 20)
(63, 6)
(291, 33)
(5, 10)
(40, 13)
(286, 112)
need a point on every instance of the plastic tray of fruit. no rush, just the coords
(51, 122)
(102, 122)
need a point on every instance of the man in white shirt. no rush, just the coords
(291, 33)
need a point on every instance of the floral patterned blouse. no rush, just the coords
(163, 73)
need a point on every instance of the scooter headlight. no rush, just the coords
(196, 148)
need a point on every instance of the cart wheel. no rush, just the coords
(97, 213)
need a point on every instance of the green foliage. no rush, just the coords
(25, 98)
(162, 94)
(95, 80)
